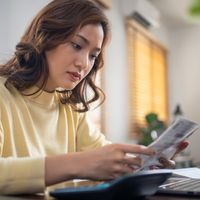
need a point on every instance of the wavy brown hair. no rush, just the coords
(52, 26)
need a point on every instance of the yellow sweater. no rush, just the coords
(32, 127)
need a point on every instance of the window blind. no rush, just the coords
(147, 77)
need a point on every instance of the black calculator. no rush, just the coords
(141, 184)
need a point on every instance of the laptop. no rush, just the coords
(180, 186)
(130, 186)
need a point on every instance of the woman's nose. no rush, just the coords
(82, 61)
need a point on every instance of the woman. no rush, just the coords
(45, 135)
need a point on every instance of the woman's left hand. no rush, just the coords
(165, 163)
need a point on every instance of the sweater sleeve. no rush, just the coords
(20, 175)
(88, 136)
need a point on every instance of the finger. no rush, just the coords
(136, 149)
(182, 145)
(167, 163)
(126, 169)
(121, 169)
(133, 161)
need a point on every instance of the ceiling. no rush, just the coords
(174, 12)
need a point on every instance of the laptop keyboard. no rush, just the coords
(192, 185)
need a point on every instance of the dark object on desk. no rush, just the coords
(180, 186)
(127, 187)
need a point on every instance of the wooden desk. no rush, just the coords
(156, 197)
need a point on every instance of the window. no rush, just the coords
(147, 76)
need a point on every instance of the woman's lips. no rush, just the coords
(74, 76)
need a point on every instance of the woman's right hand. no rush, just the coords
(104, 163)
(110, 161)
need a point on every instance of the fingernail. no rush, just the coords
(184, 145)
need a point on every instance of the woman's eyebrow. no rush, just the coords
(87, 41)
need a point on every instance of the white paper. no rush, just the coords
(192, 172)
(166, 144)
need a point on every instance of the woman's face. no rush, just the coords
(70, 62)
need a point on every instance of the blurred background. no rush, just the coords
(152, 65)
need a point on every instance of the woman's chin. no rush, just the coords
(68, 86)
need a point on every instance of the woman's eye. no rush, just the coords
(76, 46)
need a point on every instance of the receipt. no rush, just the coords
(166, 144)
